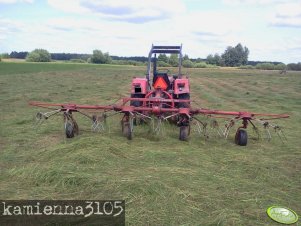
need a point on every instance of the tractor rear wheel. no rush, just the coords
(184, 96)
(184, 133)
(241, 137)
(127, 130)
(137, 103)
(69, 129)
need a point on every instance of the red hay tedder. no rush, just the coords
(165, 97)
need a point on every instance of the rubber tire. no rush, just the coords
(184, 96)
(241, 137)
(137, 103)
(126, 130)
(69, 130)
(184, 133)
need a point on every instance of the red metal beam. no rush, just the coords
(157, 109)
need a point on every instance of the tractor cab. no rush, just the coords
(160, 83)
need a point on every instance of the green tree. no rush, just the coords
(210, 59)
(280, 66)
(265, 66)
(163, 58)
(201, 65)
(99, 58)
(162, 64)
(38, 55)
(294, 66)
(216, 59)
(173, 60)
(186, 57)
(188, 63)
(4, 55)
(235, 56)
(108, 59)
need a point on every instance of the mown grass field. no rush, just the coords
(163, 180)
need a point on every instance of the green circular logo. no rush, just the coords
(282, 215)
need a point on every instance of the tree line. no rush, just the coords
(232, 57)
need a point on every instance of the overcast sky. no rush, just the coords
(271, 29)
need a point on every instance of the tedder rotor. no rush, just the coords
(161, 96)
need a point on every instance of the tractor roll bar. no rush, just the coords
(164, 49)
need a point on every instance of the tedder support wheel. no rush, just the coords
(69, 129)
(184, 133)
(127, 130)
(241, 137)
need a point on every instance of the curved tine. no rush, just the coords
(99, 122)
(132, 123)
(96, 126)
(38, 120)
(280, 136)
(268, 133)
(255, 129)
(51, 113)
(143, 115)
(267, 126)
(170, 116)
(215, 125)
(110, 115)
(280, 133)
(228, 126)
(153, 124)
(162, 125)
(157, 124)
(198, 127)
(86, 115)
(48, 114)
(156, 129)
(204, 124)
(41, 117)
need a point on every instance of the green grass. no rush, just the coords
(163, 180)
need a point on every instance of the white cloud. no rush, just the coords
(8, 26)
(15, 1)
(287, 15)
(286, 22)
(253, 2)
(68, 6)
(292, 9)
(135, 11)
